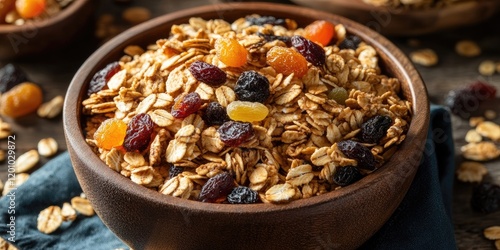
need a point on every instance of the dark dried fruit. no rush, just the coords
(217, 187)
(139, 131)
(234, 133)
(266, 20)
(358, 152)
(208, 73)
(174, 171)
(10, 76)
(464, 102)
(186, 104)
(242, 195)
(375, 128)
(486, 198)
(252, 87)
(350, 42)
(313, 53)
(215, 114)
(102, 77)
(346, 175)
(270, 38)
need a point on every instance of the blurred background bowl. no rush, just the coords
(43, 36)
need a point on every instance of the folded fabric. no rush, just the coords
(423, 220)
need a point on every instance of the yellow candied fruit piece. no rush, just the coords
(110, 133)
(247, 111)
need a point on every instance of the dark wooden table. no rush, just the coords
(53, 72)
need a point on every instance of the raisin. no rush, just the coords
(339, 95)
(465, 101)
(30, 8)
(234, 133)
(208, 73)
(242, 195)
(252, 87)
(350, 42)
(270, 38)
(358, 152)
(10, 76)
(260, 21)
(346, 175)
(375, 128)
(486, 198)
(139, 131)
(186, 104)
(287, 61)
(231, 52)
(313, 53)
(320, 31)
(174, 171)
(217, 187)
(247, 111)
(100, 78)
(215, 114)
(21, 100)
(110, 133)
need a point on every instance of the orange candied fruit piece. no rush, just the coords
(30, 8)
(320, 31)
(231, 52)
(21, 100)
(287, 61)
(110, 133)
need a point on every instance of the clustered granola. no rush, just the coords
(305, 145)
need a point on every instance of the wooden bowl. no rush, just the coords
(44, 36)
(401, 22)
(343, 219)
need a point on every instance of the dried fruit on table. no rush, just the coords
(287, 61)
(21, 100)
(242, 195)
(235, 133)
(375, 128)
(247, 111)
(339, 95)
(261, 20)
(208, 73)
(231, 52)
(30, 8)
(10, 76)
(358, 152)
(320, 31)
(215, 114)
(463, 102)
(346, 175)
(350, 42)
(217, 187)
(139, 131)
(486, 198)
(100, 78)
(313, 53)
(111, 133)
(252, 87)
(186, 104)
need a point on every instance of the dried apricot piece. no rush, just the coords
(21, 100)
(30, 8)
(231, 52)
(320, 31)
(110, 133)
(287, 61)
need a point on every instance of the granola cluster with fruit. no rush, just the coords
(257, 110)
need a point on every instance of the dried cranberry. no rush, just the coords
(265, 20)
(234, 133)
(358, 152)
(313, 52)
(464, 102)
(102, 77)
(486, 198)
(350, 42)
(215, 114)
(346, 175)
(242, 195)
(217, 187)
(252, 87)
(174, 171)
(138, 134)
(270, 38)
(375, 128)
(208, 73)
(10, 76)
(186, 104)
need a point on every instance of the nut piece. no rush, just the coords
(492, 233)
(68, 212)
(5, 245)
(482, 151)
(51, 108)
(47, 147)
(49, 219)
(490, 114)
(82, 205)
(136, 15)
(473, 136)
(27, 161)
(424, 57)
(489, 129)
(487, 68)
(467, 48)
(470, 171)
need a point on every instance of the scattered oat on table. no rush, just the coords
(82, 205)
(476, 120)
(490, 114)
(47, 147)
(2, 155)
(49, 219)
(481, 151)
(68, 212)
(489, 129)
(467, 48)
(5, 129)
(27, 161)
(473, 136)
(492, 233)
(136, 15)
(470, 171)
(10, 184)
(51, 108)
(487, 68)
(424, 57)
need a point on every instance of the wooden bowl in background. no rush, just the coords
(342, 219)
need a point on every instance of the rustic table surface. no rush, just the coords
(53, 72)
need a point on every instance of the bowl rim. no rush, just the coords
(71, 9)
(75, 138)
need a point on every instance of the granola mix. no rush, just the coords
(416, 4)
(293, 129)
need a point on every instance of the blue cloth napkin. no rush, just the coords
(422, 221)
